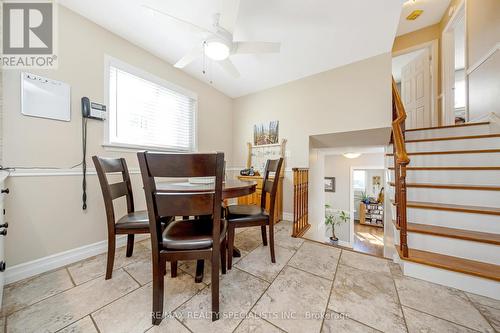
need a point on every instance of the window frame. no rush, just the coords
(117, 146)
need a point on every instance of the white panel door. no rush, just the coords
(416, 91)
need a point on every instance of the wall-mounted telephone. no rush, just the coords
(90, 110)
(93, 110)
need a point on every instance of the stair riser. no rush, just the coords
(456, 197)
(492, 159)
(466, 144)
(447, 132)
(453, 247)
(457, 220)
(466, 177)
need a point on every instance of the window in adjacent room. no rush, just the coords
(148, 112)
(359, 180)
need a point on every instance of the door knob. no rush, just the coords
(3, 232)
(5, 190)
(5, 225)
(2, 266)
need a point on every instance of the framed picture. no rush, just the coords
(266, 134)
(329, 184)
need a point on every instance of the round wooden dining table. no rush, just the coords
(232, 188)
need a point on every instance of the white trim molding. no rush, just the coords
(58, 172)
(34, 172)
(61, 259)
(483, 59)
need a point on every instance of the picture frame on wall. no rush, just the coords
(329, 184)
(266, 133)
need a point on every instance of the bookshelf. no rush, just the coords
(371, 214)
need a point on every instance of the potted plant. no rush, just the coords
(333, 218)
(365, 198)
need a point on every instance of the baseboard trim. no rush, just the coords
(61, 259)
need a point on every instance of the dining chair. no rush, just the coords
(241, 216)
(134, 222)
(202, 238)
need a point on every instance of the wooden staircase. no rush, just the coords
(446, 201)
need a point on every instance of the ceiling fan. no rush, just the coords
(217, 42)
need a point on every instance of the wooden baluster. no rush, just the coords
(300, 201)
(295, 215)
(301, 194)
(403, 221)
(306, 220)
(397, 190)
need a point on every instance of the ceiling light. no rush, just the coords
(351, 155)
(217, 49)
(414, 15)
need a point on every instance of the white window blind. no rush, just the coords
(145, 113)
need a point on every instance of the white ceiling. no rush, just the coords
(400, 61)
(314, 37)
(433, 13)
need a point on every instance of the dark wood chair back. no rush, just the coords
(271, 185)
(161, 203)
(112, 191)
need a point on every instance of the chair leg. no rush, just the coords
(264, 235)
(215, 286)
(111, 255)
(158, 283)
(223, 253)
(130, 245)
(230, 245)
(200, 268)
(173, 268)
(271, 242)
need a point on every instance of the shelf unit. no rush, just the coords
(371, 214)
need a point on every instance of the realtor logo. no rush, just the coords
(28, 34)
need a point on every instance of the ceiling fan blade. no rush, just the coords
(256, 47)
(189, 57)
(229, 67)
(228, 10)
(159, 11)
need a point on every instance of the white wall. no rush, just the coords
(483, 33)
(44, 212)
(349, 98)
(339, 167)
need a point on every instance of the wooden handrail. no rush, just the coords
(401, 160)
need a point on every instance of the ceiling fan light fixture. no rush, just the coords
(351, 155)
(217, 50)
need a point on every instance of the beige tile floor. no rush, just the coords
(311, 288)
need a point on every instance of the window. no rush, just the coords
(358, 180)
(148, 112)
